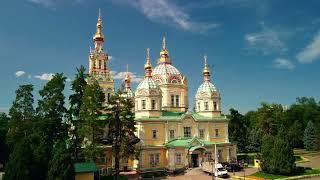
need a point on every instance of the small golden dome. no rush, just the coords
(98, 36)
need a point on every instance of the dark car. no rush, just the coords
(233, 167)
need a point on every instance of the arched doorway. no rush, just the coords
(196, 156)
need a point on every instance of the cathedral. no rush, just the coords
(171, 136)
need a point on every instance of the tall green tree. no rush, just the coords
(4, 149)
(20, 164)
(78, 86)
(92, 129)
(254, 140)
(238, 130)
(121, 129)
(61, 165)
(310, 139)
(21, 113)
(51, 108)
(270, 117)
(50, 126)
(267, 152)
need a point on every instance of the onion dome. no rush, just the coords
(148, 84)
(165, 72)
(206, 89)
(98, 36)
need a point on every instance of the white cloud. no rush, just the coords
(46, 3)
(311, 52)
(53, 3)
(120, 75)
(281, 63)
(267, 40)
(166, 12)
(44, 76)
(20, 73)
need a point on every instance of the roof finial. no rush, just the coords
(206, 71)
(205, 59)
(147, 65)
(127, 76)
(164, 42)
(99, 16)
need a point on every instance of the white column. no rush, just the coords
(166, 131)
(179, 131)
(226, 132)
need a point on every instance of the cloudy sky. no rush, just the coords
(258, 50)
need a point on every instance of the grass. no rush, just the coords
(267, 175)
(276, 176)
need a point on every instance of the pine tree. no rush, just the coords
(310, 140)
(92, 129)
(21, 113)
(283, 161)
(121, 129)
(20, 164)
(78, 86)
(49, 127)
(61, 165)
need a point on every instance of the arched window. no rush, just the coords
(153, 104)
(143, 104)
(215, 107)
(206, 106)
(174, 81)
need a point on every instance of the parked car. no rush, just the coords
(233, 167)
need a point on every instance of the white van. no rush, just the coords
(219, 170)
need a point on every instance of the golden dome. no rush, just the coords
(98, 36)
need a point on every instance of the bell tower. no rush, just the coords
(98, 62)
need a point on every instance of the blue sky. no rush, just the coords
(259, 50)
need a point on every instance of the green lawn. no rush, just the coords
(274, 176)
(268, 176)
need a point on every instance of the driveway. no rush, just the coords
(314, 161)
(192, 174)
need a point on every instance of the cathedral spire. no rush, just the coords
(206, 71)
(98, 36)
(127, 78)
(147, 65)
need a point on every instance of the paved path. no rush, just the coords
(192, 174)
(314, 161)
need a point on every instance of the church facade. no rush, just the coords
(171, 136)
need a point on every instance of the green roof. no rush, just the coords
(85, 167)
(187, 142)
